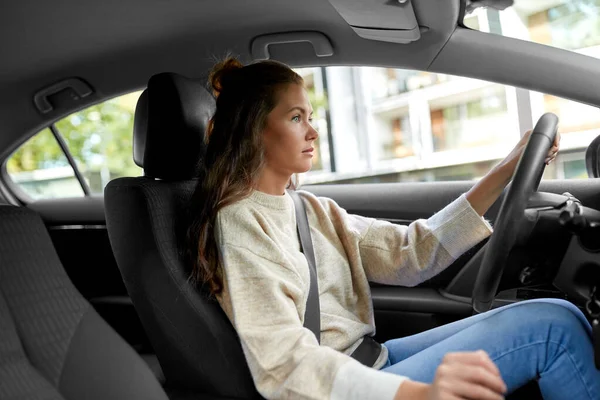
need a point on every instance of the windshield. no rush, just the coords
(567, 24)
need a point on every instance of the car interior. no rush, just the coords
(96, 301)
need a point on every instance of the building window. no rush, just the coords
(398, 143)
(573, 25)
(575, 169)
(462, 125)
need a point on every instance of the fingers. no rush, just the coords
(553, 152)
(476, 358)
(467, 390)
(471, 375)
(488, 382)
(551, 156)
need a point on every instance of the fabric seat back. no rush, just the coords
(196, 345)
(53, 344)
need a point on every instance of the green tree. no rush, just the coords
(41, 151)
(99, 138)
(319, 103)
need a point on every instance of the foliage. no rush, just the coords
(100, 140)
(41, 151)
(319, 102)
(99, 137)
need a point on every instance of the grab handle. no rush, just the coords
(79, 87)
(320, 42)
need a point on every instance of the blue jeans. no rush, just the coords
(544, 339)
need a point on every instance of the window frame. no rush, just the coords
(18, 194)
(521, 107)
(413, 102)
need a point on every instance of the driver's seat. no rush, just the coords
(196, 345)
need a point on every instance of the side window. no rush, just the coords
(579, 124)
(313, 81)
(41, 169)
(99, 140)
(392, 125)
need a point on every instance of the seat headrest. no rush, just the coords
(169, 126)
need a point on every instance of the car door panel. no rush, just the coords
(401, 311)
(78, 230)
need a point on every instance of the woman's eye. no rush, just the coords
(310, 120)
(296, 118)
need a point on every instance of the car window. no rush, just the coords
(394, 125)
(313, 81)
(41, 169)
(566, 24)
(375, 125)
(99, 140)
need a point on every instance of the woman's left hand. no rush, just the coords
(488, 189)
(512, 159)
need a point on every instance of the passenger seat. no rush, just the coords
(53, 344)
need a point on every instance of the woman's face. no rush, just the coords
(289, 136)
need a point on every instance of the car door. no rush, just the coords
(402, 144)
(372, 157)
(402, 311)
(66, 189)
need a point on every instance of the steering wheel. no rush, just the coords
(526, 180)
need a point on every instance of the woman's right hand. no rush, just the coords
(470, 375)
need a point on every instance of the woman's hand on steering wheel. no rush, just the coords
(512, 159)
(525, 163)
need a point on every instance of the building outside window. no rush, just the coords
(398, 125)
(375, 124)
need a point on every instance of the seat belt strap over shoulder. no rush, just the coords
(312, 316)
(368, 351)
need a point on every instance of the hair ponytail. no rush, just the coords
(234, 155)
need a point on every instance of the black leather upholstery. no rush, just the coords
(196, 345)
(53, 344)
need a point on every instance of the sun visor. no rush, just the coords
(385, 20)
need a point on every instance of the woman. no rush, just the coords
(246, 250)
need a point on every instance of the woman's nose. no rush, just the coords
(313, 134)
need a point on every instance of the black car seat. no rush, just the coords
(196, 345)
(53, 344)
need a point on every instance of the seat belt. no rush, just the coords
(312, 316)
(368, 351)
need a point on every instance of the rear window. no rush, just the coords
(98, 139)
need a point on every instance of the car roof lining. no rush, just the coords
(117, 46)
(119, 52)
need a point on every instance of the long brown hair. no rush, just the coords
(234, 155)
